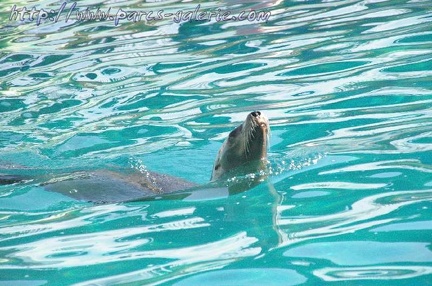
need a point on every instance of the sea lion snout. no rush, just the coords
(256, 120)
(256, 113)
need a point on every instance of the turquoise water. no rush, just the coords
(346, 86)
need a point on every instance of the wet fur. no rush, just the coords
(246, 146)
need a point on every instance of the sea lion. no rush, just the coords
(243, 152)
(245, 149)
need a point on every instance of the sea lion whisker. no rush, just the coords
(246, 144)
(251, 136)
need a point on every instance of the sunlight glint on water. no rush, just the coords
(346, 86)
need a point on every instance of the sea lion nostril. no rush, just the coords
(256, 113)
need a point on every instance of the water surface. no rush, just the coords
(346, 86)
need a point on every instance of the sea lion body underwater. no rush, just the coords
(243, 152)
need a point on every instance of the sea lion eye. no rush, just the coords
(217, 167)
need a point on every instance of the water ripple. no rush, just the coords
(372, 273)
(346, 86)
(362, 214)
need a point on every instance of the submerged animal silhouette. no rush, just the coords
(243, 152)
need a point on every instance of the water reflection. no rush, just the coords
(384, 273)
(346, 85)
(176, 239)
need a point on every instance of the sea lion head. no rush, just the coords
(245, 149)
